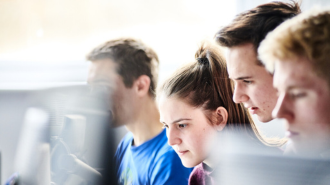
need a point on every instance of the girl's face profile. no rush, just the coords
(188, 130)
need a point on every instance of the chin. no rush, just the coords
(264, 119)
(189, 164)
(115, 123)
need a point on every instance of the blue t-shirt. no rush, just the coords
(153, 162)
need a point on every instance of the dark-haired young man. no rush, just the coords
(129, 69)
(253, 84)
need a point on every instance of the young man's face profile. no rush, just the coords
(304, 101)
(253, 84)
(102, 73)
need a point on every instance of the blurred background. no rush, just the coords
(43, 44)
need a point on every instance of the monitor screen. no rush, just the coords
(58, 136)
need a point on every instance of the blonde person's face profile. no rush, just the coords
(304, 101)
(188, 130)
(253, 84)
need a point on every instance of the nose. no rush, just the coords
(283, 109)
(173, 137)
(239, 95)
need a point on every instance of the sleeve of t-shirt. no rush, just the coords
(168, 169)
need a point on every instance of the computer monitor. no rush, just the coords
(65, 137)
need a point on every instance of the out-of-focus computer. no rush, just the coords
(65, 138)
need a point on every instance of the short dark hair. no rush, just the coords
(253, 25)
(133, 57)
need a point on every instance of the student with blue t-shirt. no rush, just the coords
(129, 69)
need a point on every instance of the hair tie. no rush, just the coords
(203, 61)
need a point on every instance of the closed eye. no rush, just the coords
(247, 81)
(297, 95)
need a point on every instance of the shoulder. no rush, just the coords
(197, 175)
(124, 143)
(127, 139)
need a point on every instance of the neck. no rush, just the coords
(145, 125)
(208, 163)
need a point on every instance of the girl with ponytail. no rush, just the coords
(195, 104)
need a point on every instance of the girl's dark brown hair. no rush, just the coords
(205, 83)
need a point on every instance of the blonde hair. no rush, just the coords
(306, 35)
(205, 83)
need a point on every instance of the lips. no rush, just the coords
(291, 134)
(182, 152)
(253, 110)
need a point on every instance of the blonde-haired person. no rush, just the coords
(195, 105)
(298, 53)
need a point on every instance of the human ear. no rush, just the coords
(142, 85)
(221, 118)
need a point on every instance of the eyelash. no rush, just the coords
(247, 81)
(297, 95)
(180, 126)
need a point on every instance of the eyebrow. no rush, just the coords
(243, 78)
(293, 87)
(178, 120)
(290, 88)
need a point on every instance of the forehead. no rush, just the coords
(297, 72)
(241, 60)
(172, 103)
(172, 108)
(102, 70)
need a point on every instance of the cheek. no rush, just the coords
(122, 105)
(194, 139)
(202, 139)
(307, 110)
(116, 96)
(257, 93)
(265, 92)
(323, 109)
(117, 101)
(308, 117)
